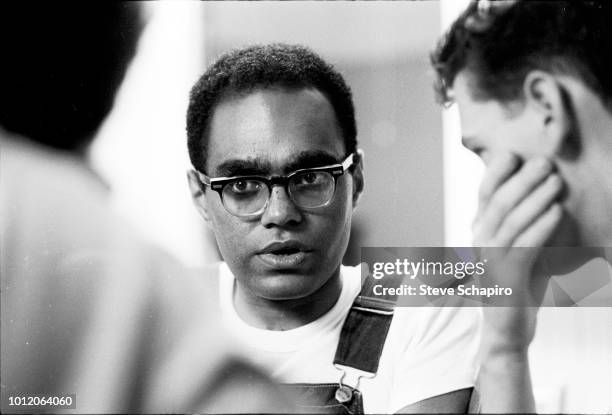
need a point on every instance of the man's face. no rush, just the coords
(493, 130)
(286, 252)
(490, 129)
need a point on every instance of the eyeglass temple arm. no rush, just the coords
(352, 159)
(203, 177)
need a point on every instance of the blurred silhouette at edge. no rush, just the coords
(87, 307)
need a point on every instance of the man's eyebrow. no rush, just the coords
(255, 166)
(243, 167)
(310, 159)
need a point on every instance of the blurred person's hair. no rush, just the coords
(62, 64)
(499, 42)
(242, 71)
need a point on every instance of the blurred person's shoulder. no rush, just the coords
(45, 173)
(58, 229)
(207, 276)
(50, 199)
(176, 281)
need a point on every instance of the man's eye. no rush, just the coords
(309, 178)
(245, 186)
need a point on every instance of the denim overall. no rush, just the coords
(361, 343)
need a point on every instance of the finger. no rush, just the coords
(511, 193)
(542, 229)
(498, 171)
(530, 208)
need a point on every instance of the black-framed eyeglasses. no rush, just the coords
(248, 196)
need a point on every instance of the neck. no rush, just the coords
(281, 315)
(590, 179)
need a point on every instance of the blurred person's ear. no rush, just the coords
(198, 195)
(545, 96)
(358, 181)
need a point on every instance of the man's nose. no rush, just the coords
(281, 211)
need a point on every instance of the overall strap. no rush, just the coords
(365, 330)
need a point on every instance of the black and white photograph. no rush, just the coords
(345, 207)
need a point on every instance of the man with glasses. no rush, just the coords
(277, 175)
(533, 87)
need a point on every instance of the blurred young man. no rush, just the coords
(533, 86)
(272, 138)
(94, 320)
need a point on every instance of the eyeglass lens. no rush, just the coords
(244, 197)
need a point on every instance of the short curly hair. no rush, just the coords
(499, 42)
(242, 71)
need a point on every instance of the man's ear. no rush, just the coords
(198, 195)
(545, 95)
(358, 182)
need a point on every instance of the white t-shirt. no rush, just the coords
(429, 350)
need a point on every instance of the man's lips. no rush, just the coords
(284, 254)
